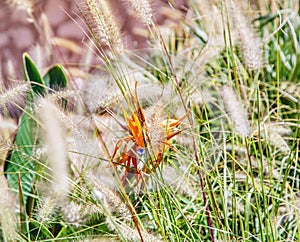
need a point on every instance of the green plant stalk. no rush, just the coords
(225, 167)
(258, 210)
(129, 204)
(297, 213)
(166, 209)
(191, 121)
(23, 215)
(247, 204)
(234, 205)
(278, 77)
(235, 73)
(234, 215)
(155, 216)
(296, 70)
(261, 175)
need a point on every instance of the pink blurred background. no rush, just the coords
(18, 34)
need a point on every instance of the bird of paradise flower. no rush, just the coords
(137, 154)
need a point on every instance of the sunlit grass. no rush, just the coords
(229, 170)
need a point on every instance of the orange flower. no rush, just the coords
(138, 154)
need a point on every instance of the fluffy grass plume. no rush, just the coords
(8, 218)
(115, 205)
(142, 10)
(249, 41)
(73, 213)
(24, 5)
(13, 96)
(56, 147)
(45, 210)
(129, 233)
(112, 202)
(101, 20)
(235, 111)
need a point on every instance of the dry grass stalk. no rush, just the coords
(235, 111)
(101, 20)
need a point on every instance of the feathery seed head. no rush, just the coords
(178, 182)
(109, 198)
(100, 93)
(56, 147)
(129, 233)
(14, 96)
(250, 43)
(46, 210)
(142, 10)
(156, 131)
(275, 133)
(24, 5)
(235, 110)
(73, 213)
(101, 20)
(8, 218)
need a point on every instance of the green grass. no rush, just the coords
(222, 178)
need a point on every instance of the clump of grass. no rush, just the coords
(208, 184)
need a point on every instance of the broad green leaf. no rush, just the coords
(55, 78)
(32, 74)
(20, 160)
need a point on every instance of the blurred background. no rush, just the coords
(52, 31)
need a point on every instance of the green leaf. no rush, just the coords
(263, 20)
(20, 160)
(32, 74)
(23, 215)
(55, 78)
(294, 77)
